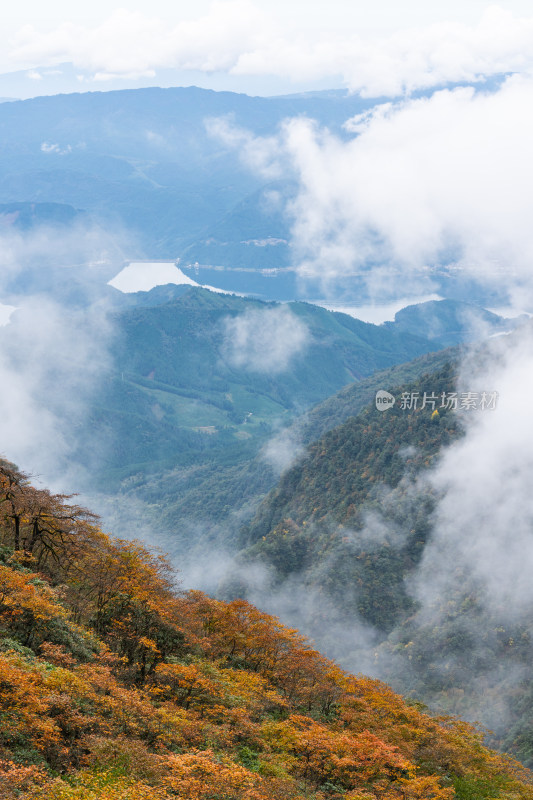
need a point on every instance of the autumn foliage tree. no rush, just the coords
(115, 685)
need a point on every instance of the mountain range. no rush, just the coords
(164, 173)
(241, 435)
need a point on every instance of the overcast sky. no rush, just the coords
(378, 16)
(377, 47)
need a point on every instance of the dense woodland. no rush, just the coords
(115, 685)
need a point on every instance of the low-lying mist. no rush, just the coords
(55, 349)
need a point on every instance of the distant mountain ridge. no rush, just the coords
(149, 166)
(143, 158)
(451, 322)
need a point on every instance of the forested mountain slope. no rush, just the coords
(316, 521)
(350, 400)
(114, 685)
(350, 526)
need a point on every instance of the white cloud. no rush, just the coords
(237, 37)
(264, 340)
(43, 261)
(442, 179)
(47, 147)
(50, 361)
(283, 450)
(361, 122)
(53, 352)
(5, 313)
(485, 520)
(130, 44)
(261, 154)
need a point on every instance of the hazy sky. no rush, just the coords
(263, 46)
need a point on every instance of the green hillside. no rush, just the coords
(179, 408)
(171, 355)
